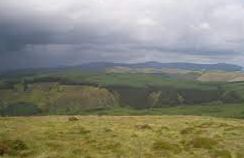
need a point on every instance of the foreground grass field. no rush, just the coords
(121, 137)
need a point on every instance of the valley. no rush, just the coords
(92, 90)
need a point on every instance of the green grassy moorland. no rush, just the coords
(129, 129)
(215, 110)
(121, 137)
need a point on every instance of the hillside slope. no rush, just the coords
(130, 137)
(222, 76)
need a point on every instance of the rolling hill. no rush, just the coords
(157, 65)
(103, 66)
(102, 86)
(222, 76)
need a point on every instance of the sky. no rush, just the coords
(50, 33)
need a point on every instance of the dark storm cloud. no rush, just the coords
(37, 33)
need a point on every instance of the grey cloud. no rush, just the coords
(59, 32)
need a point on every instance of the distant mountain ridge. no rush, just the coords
(158, 65)
(103, 66)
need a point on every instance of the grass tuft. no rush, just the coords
(187, 130)
(161, 145)
(203, 142)
(12, 147)
(4, 149)
(143, 126)
(221, 154)
(73, 118)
